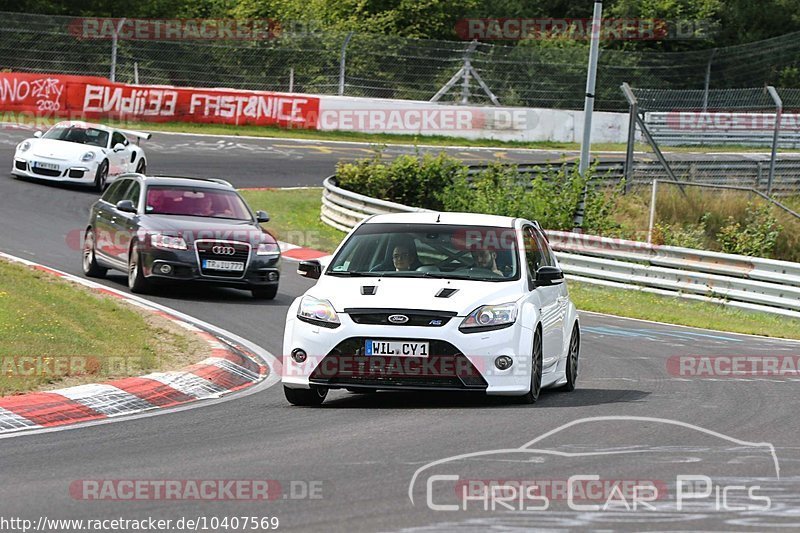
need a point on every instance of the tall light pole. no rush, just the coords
(588, 105)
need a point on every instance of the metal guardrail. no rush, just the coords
(734, 280)
(753, 173)
(344, 209)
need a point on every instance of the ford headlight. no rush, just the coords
(488, 317)
(167, 242)
(24, 146)
(319, 312)
(268, 248)
(88, 156)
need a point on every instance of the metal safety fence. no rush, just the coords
(733, 280)
(531, 73)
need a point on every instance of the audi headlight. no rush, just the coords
(88, 156)
(489, 317)
(167, 242)
(24, 146)
(268, 248)
(319, 312)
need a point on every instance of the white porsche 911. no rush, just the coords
(80, 152)
(434, 301)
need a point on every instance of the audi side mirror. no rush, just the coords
(548, 275)
(310, 269)
(126, 206)
(262, 216)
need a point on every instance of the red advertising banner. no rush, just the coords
(87, 97)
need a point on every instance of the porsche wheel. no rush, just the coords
(101, 177)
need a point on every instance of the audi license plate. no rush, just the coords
(48, 166)
(397, 348)
(230, 266)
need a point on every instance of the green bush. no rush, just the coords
(442, 183)
(683, 235)
(552, 197)
(408, 179)
(756, 238)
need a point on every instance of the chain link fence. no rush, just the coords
(531, 73)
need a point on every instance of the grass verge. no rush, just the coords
(674, 310)
(295, 215)
(57, 334)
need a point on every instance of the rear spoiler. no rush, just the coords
(138, 134)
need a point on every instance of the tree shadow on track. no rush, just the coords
(200, 292)
(473, 400)
(87, 189)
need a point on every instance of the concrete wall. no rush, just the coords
(501, 123)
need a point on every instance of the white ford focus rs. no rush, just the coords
(434, 301)
(79, 152)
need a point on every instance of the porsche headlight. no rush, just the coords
(488, 317)
(317, 311)
(167, 242)
(88, 156)
(24, 146)
(268, 248)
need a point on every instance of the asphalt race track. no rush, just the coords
(358, 454)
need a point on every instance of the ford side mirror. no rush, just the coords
(310, 269)
(262, 216)
(548, 275)
(126, 206)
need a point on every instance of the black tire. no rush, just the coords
(536, 371)
(101, 177)
(572, 360)
(265, 293)
(137, 283)
(141, 168)
(306, 397)
(90, 266)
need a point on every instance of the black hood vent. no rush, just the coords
(368, 290)
(446, 293)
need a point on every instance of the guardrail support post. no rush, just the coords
(114, 41)
(776, 132)
(342, 61)
(652, 212)
(708, 80)
(633, 112)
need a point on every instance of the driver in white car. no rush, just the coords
(486, 259)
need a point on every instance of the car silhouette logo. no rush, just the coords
(398, 319)
(223, 250)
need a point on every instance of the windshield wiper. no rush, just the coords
(445, 275)
(352, 273)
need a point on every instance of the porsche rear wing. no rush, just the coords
(138, 134)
